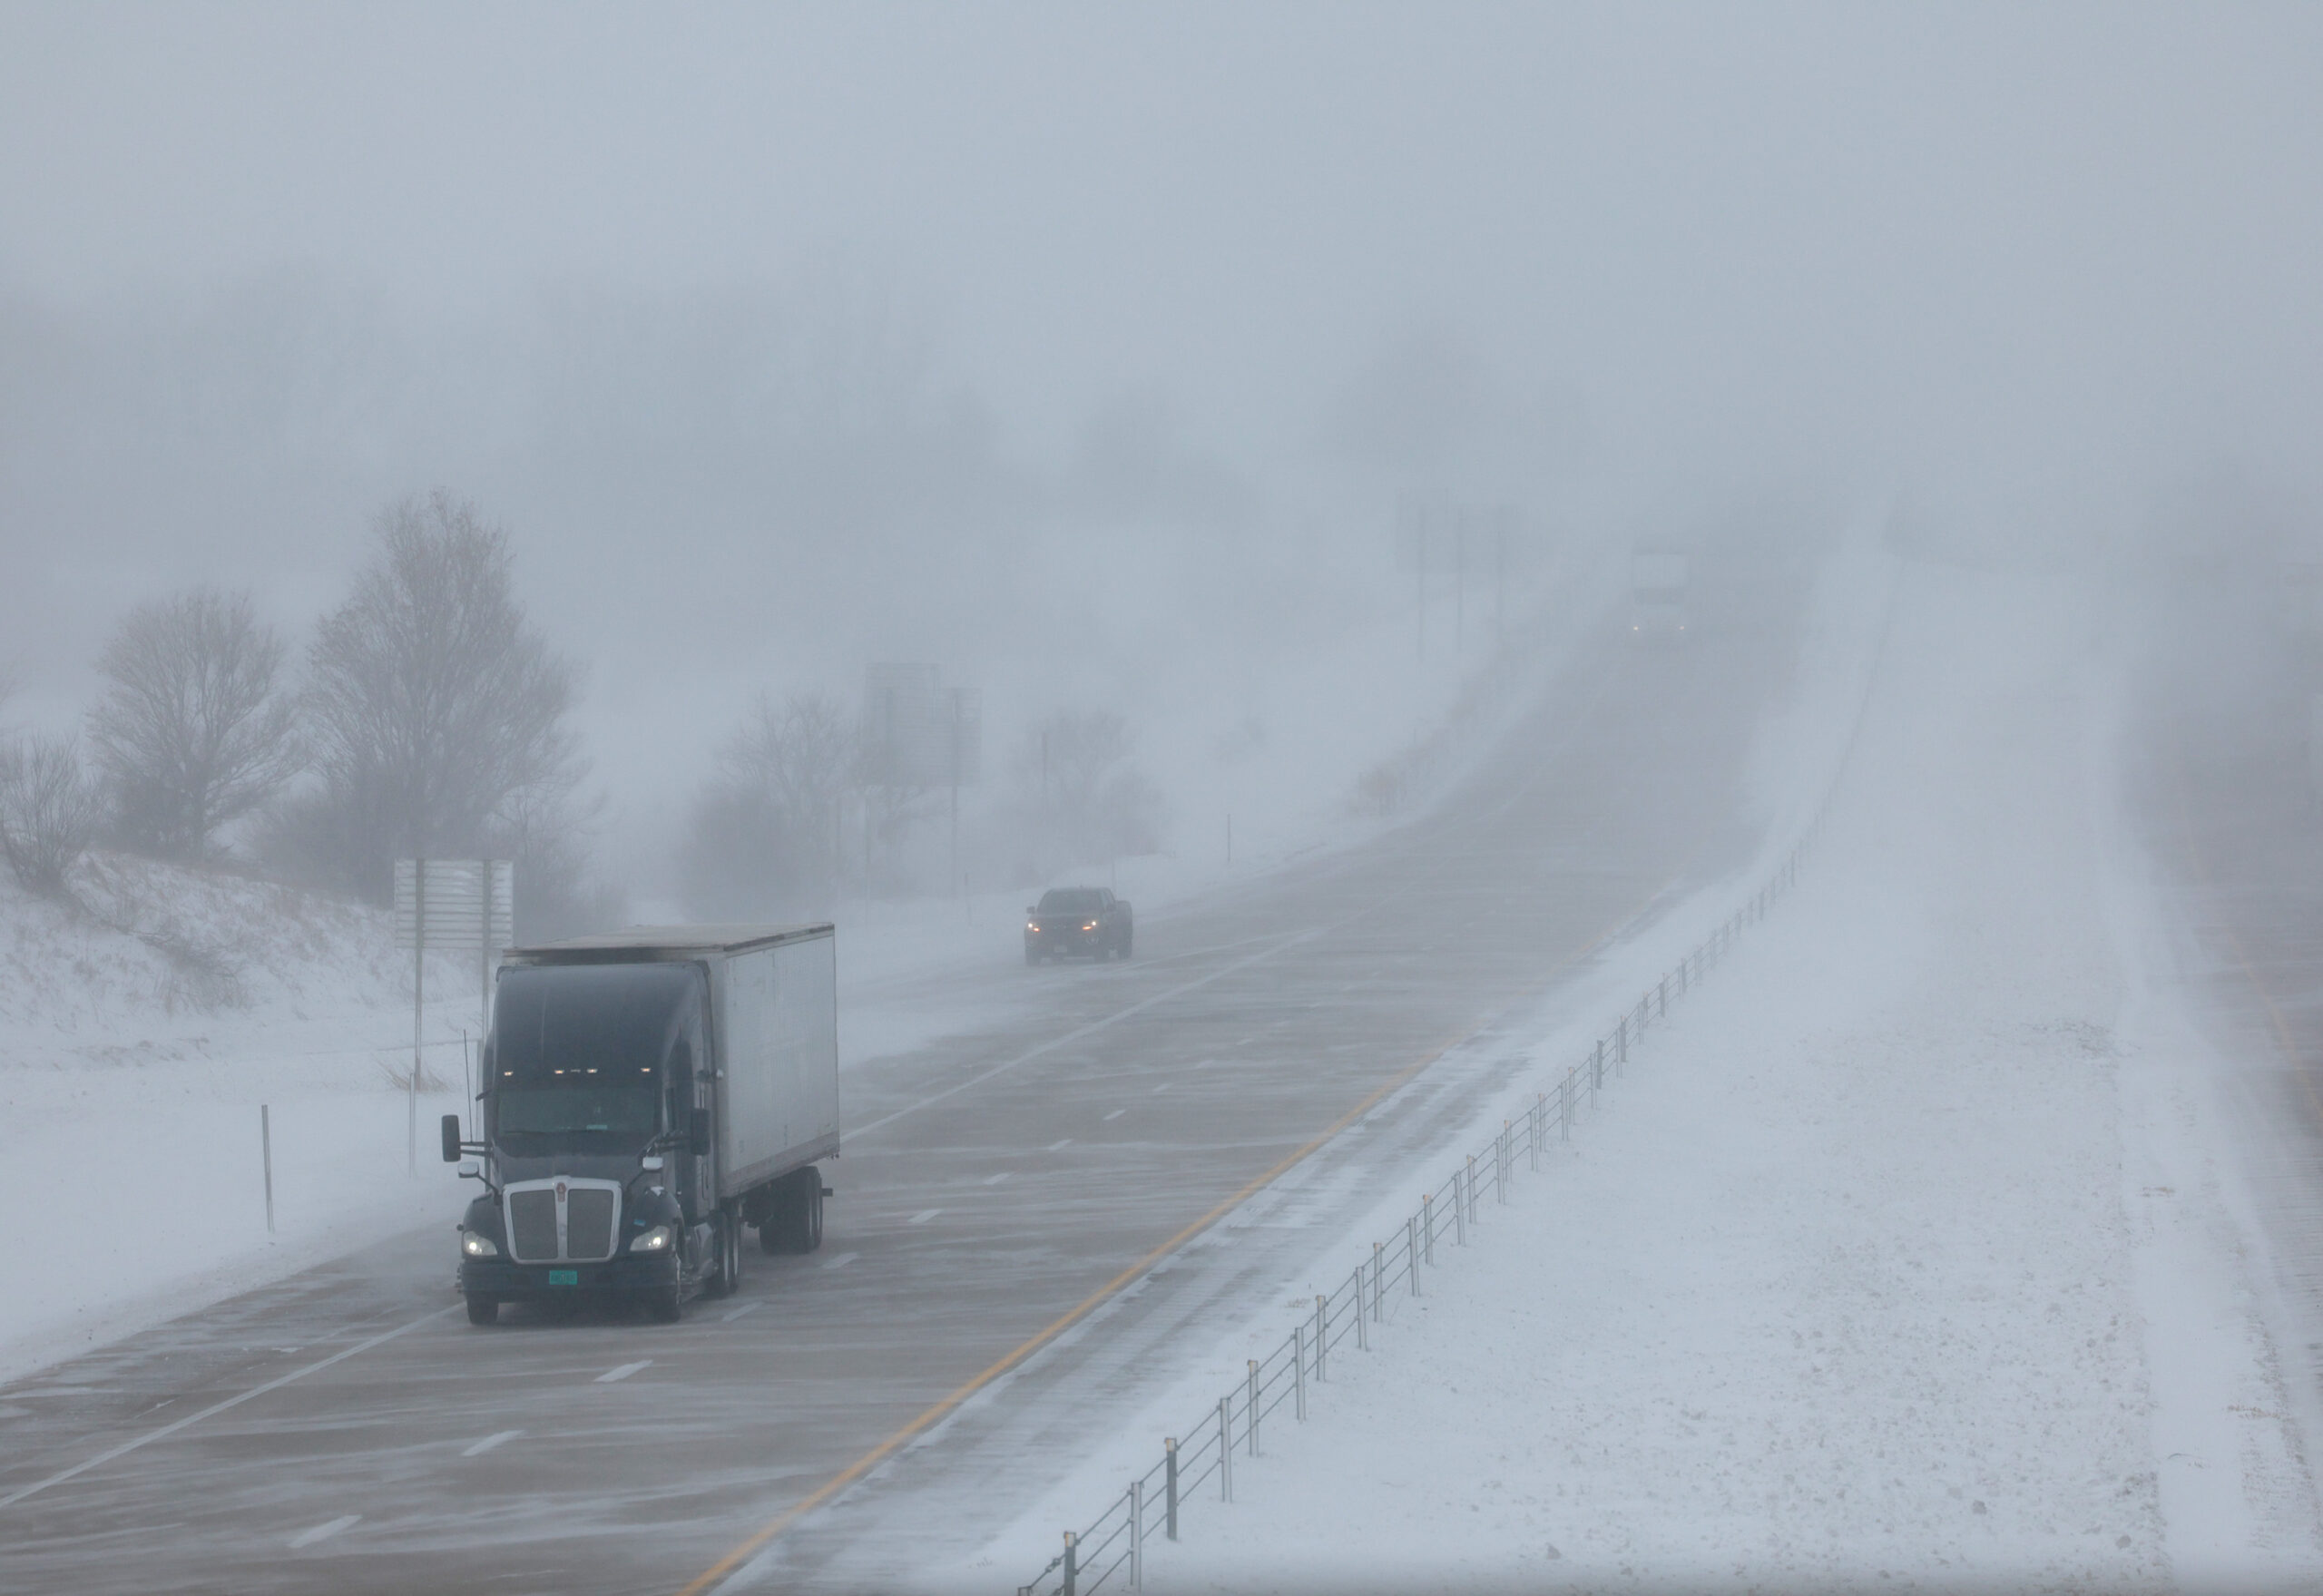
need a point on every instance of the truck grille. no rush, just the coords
(589, 1223)
(532, 1223)
(552, 1221)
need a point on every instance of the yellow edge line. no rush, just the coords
(1081, 1310)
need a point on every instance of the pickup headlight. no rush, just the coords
(657, 1240)
(1091, 926)
(474, 1245)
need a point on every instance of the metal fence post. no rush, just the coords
(1621, 1043)
(1298, 1370)
(1170, 1487)
(1226, 1449)
(1459, 1211)
(1136, 1534)
(1427, 1226)
(1565, 1105)
(1253, 1435)
(1499, 1163)
(1682, 973)
(1597, 1069)
(1662, 999)
(266, 1157)
(1362, 1325)
(1378, 1280)
(1323, 1327)
(1072, 1564)
(1532, 1131)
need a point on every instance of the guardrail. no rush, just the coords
(1157, 1501)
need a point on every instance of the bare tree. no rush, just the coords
(1091, 799)
(193, 731)
(435, 712)
(49, 811)
(765, 829)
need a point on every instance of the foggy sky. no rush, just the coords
(785, 340)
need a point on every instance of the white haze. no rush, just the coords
(1088, 351)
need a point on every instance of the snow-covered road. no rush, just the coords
(1910, 1253)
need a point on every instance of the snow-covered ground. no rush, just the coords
(1910, 1253)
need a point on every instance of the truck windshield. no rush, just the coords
(583, 1055)
(1070, 900)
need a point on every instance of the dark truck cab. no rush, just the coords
(1077, 922)
(645, 1096)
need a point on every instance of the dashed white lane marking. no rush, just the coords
(748, 1307)
(923, 1215)
(1161, 1089)
(1054, 1043)
(841, 1261)
(623, 1372)
(996, 1180)
(325, 1531)
(198, 1415)
(1059, 1142)
(489, 1442)
(1116, 1114)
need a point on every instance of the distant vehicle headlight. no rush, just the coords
(657, 1240)
(473, 1245)
(1034, 926)
(1091, 926)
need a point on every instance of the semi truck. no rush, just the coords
(646, 1096)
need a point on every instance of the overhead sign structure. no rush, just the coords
(452, 905)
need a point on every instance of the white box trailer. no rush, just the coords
(648, 1094)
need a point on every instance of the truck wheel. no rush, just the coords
(484, 1310)
(726, 1273)
(796, 1224)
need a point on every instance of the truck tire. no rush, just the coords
(726, 1262)
(796, 1224)
(484, 1310)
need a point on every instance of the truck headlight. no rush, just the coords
(473, 1245)
(657, 1240)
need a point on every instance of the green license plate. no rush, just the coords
(565, 1277)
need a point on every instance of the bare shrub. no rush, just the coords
(50, 811)
(193, 731)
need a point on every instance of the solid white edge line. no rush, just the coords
(216, 1407)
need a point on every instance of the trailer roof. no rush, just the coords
(663, 942)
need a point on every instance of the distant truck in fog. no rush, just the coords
(1658, 580)
(646, 1094)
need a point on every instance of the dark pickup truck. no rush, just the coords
(1076, 921)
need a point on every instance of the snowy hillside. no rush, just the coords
(153, 1023)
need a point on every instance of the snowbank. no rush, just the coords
(1906, 1254)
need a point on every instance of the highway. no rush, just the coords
(1052, 1204)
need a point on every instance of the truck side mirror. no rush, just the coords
(699, 1138)
(451, 1138)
